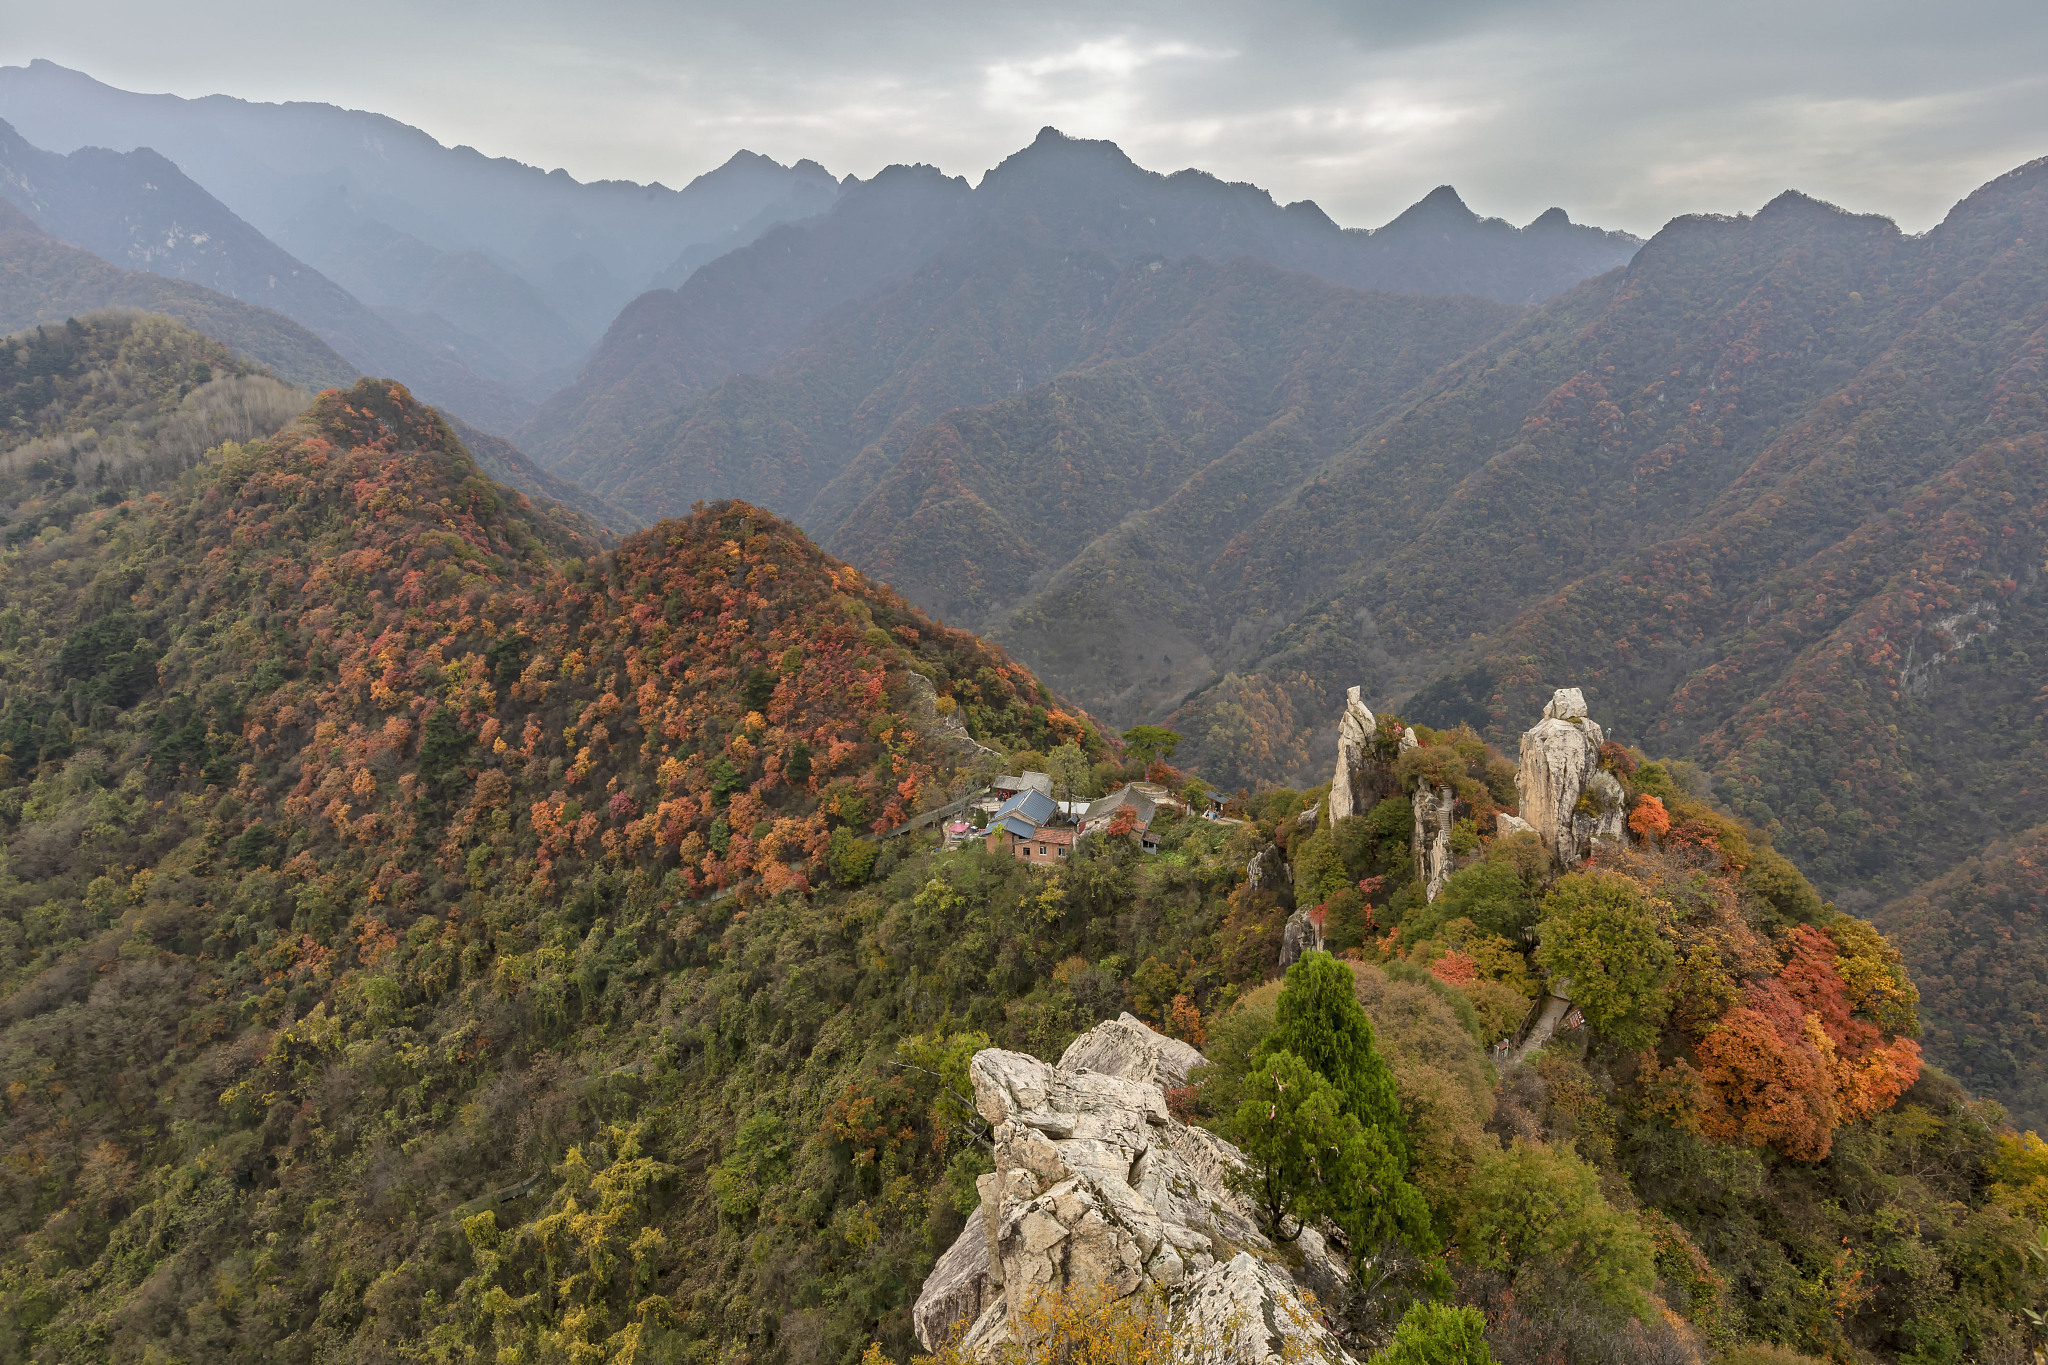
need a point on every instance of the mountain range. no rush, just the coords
(1023, 261)
(509, 270)
(1769, 487)
(426, 933)
(1771, 490)
(44, 280)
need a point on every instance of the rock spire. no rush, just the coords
(1563, 794)
(1349, 787)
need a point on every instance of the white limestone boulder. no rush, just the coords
(1354, 738)
(1132, 1050)
(1097, 1187)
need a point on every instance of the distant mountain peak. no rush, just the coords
(1549, 219)
(1793, 202)
(1052, 144)
(1441, 205)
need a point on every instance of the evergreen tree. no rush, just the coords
(1319, 1020)
(1438, 1334)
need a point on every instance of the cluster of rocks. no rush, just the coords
(1565, 797)
(1099, 1189)
(1363, 777)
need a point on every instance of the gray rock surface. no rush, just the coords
(1246, 1310)
(1435, 810)
(1267, 870)
(1511, 824)
(1610, 805)
(1354, 738)
(1559, 754)
(1130, 1049)
(1097, 1186)
(958, 1290)
(1300, 936)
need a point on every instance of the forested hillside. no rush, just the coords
(506, 463)
(427, 935)
(1976, 941)
(331, 699)
(1775, 493)
(668, 348)
(43, 280)
(1046, 232)
(1206, 393)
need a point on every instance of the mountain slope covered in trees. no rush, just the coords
(43, 280)
(1774, 493)
(428, 936)
(139, 211)
(1977, 943)
(1047, 229)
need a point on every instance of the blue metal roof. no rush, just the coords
(1029, 804)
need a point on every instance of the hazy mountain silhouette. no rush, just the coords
(1057, 210)
(137, 210)
(300, 171)
(43, 280)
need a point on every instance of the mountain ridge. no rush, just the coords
(44, 280)
(645, 417)
(138, 207)
(589, 248)
(1711, 478)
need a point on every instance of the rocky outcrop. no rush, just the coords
(1435, 808)
(1097, 1187)
(1267, 871)
(1132, 1050)
(1601, 812)
(1302, 935)
(958, 1290)
(1560, 754)
(1350, 787)
(1511, 824)
(945, 728)
(1247, 1310)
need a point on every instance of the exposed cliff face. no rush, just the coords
(1435, 809)
(1301, 935)
(1268, 870)
(1560, 754)
(1348, 788)
(1098, 1188)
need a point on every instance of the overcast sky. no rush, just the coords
(1622, 113)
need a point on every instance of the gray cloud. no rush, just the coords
(1623, 113)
